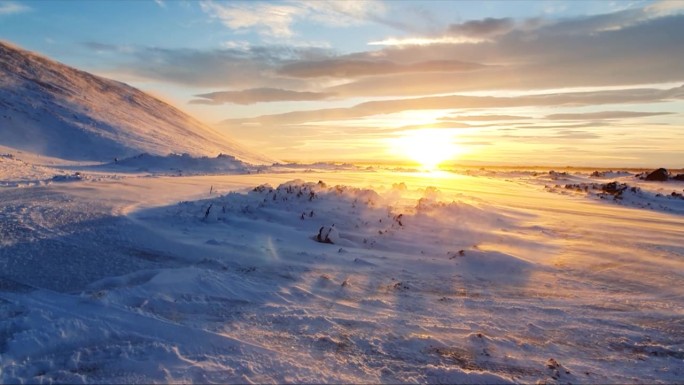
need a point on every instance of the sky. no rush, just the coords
(550, 83)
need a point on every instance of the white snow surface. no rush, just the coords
(178, 164)
(431, 278)
(55, 110)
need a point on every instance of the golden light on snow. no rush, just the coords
(428, 147)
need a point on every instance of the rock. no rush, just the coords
(328, 234)
(613, 188)
(659, 175)
(400, 286)
(552, 364)
(679, 177)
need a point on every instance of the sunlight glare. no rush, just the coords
(429, 147)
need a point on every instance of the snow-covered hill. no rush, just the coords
(55, 110)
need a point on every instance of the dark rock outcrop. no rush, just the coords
(659, 175)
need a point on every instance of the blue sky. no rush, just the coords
(531, 82)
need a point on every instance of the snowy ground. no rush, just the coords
(440, 278)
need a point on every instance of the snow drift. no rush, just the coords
(178, 164)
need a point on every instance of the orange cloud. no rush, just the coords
(645, 95)
(258, 95)
(353, 68)
(605, 115)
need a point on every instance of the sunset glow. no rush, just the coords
(342, 191)
(428, 147)
(591, 83)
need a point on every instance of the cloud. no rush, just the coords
(276, 19)
(236, 44)
(665, 7)
(597, 23)
(561, 127)
(483, 118)
(473, 31)
(345, 13)
(267, 19)
(482, 29)
(11, 8)
(571, 99)
(422, 41)
(446, 124)
(257, 95)
(575, 134)
(627, 47)
(649, 52)
(109, 48)
(632, 47)
(469, 32)
(605, 115)
(241, 66)
(351, 68)
(238, 68)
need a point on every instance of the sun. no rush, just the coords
(429, 147)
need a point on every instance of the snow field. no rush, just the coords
(473, 280)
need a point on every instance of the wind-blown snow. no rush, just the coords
(178, 164)
(55, 110)
(433, 278)
(152, 267)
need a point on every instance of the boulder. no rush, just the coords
(659, 175)
(328, 234)
(679, 177)
(614, 188)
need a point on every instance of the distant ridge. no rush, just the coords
(52, 109)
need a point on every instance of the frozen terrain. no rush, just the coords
(492, 277)
(55, 110)
(163, 252)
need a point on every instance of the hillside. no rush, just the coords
(56, 110)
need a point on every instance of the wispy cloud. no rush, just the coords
(422, 41)
(605, 115)
(276, 19)
(484, 118)
(241, 67)
(113, 48)
(344, 13)
(665, 7)
(10, 8)
(574, 99)
(258, 95)
(353, 68)
(268, 19)
(482, 29)
(556, 132)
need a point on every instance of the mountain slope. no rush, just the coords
(55, 110)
